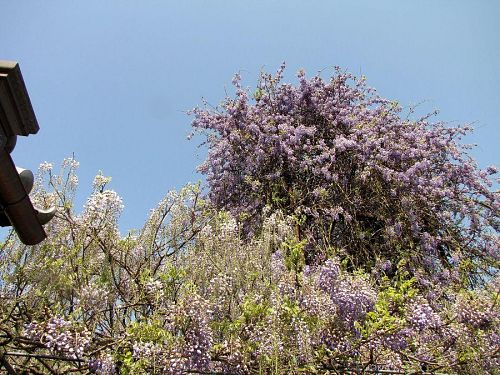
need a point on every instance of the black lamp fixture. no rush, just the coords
(17, 118)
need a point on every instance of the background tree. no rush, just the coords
(360, 179)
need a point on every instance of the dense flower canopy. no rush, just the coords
(358, 176)
(337, 237)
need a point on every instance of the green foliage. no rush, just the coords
(150, 331)
(294, 255)
(388, 315)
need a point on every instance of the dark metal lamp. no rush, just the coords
(17, 118)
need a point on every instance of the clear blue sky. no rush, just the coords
(110, 81)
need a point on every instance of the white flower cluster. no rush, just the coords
(276, 227)
(100, 181)
(154, 288)
(93, 298)
(70, 163)
(45, 167)
(102, 366)
(103, 208)
(60, 336)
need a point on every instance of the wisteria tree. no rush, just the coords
(362, 180)
(336, 237)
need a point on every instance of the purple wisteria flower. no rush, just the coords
(361, 175)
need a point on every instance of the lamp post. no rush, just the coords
(17, 118)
